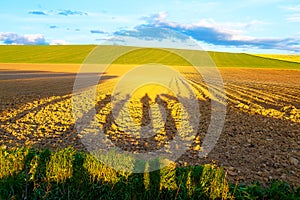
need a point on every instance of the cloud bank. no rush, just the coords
(59, 42)
(211, 32)
(294, 13)
(30, 39)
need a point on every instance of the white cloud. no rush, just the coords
(211, 32)
(155, 18)
(58, 12)
(233, 30)
(294, 11)
(14, 38)
(294, 8)
(294, 18)
(236, 30)
(58, 42)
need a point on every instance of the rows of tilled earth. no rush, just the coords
(260, 140)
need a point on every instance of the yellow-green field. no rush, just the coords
(292, 58)
(75, 54)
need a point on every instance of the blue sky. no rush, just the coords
(269, 26)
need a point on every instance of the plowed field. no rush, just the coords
(260, 139)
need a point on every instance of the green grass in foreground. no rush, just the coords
(77, 54)
(69, 174)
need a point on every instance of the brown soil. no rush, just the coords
(255, 145)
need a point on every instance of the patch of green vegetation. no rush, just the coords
(241, 60)
(78, 53)
(69, 174)
(44, 54)
(152, 55)
(291, 58)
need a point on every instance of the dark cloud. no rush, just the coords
(156, 26)
(37, 13)
(13, 38)
(97, 31)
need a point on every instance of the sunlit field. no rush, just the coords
(260, 140)
(291, 58)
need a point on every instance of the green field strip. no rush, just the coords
(77, 53)
(280, 57)
(44, 54)
(242, 60)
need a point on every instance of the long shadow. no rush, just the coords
(138, 181)
(26, 86)
(40, 106)
(71, 133)
(109, 121)
(146, 125)
(146, 188)
(146, 118)
(34, 74)
(58, 84)
(188, 182)
(8, 71)
(146, 143)
(170, 124)
(24, 75)
(204, 119)
(154, 186)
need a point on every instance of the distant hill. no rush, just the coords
(78, 53)
(292, 58)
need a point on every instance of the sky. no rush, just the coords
(254, 26)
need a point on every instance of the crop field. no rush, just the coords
(260, 140)
(292, 58)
